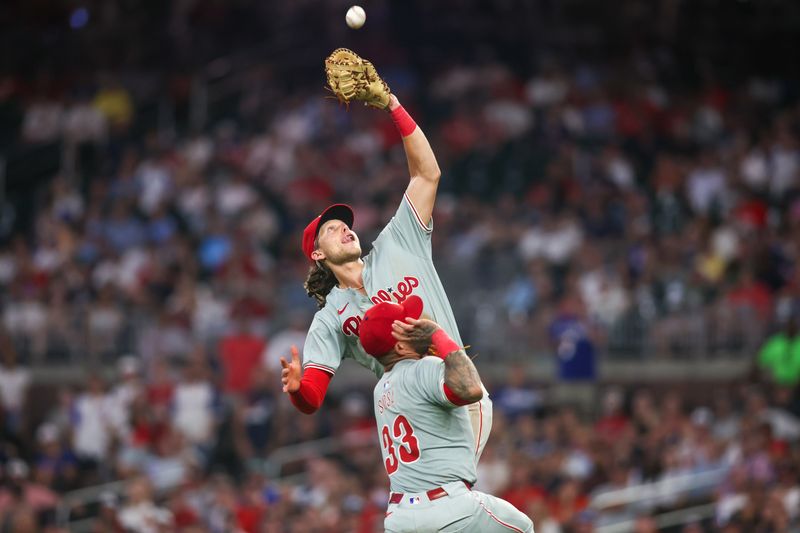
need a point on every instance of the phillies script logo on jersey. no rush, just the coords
(350, 326)
(397, 294)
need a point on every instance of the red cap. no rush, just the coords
(375, 330)
(334, 212)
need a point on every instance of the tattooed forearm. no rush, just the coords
(462, 377)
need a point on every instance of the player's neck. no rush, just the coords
(388, 361)
(350, 275)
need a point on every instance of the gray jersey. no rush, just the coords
(426, 440)
(399, 264)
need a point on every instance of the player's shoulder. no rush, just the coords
(326, 315)
(381, 386)
(382, 242)
(425, 365)
(389, 235)
(430, 361)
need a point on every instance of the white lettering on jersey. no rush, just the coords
(387, 398)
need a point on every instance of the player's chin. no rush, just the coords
(350, 252)
(353, 257)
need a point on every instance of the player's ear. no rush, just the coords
(317, 255)
(402, 348)
(405, 348)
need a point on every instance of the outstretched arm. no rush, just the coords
(308, 391)
(352, 78)
(422, 165)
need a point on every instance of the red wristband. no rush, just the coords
(442, 344)
(405, 124)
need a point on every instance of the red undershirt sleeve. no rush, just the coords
(453, 397)
(313, 386)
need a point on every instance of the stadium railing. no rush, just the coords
(648, 495)
(76, 343)
(665, 520)
(690, 487)
(691, 493)
(272, 467)
(85, 498)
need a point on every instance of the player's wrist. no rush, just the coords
(394, 103)
(402, 120)
(442, 344)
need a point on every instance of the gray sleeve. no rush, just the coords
(408, 231)
(324, 347)
(428, 376)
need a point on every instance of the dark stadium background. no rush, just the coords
(620, 182)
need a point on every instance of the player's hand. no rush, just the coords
(291, 372)
(414, 329)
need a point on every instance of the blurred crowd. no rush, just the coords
(644, 200)
(191, 445)
(655, 204)
(666, 220)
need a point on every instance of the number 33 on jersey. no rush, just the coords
(426, 441)
(399, 443)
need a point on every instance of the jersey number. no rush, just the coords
(407, 444)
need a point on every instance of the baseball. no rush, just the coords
(356, 16)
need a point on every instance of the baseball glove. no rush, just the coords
(352, 77)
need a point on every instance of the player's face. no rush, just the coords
(338, 243)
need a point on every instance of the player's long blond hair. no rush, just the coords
(319, 282)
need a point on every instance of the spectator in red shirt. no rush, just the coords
(742, 315)
(521, 492)
(251, 508)
(752, 294)
(567, 502)
(161, 385)
(613, 423)
(240, 353)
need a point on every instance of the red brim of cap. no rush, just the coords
(413, 307)
(341, 212)
(375, 330)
